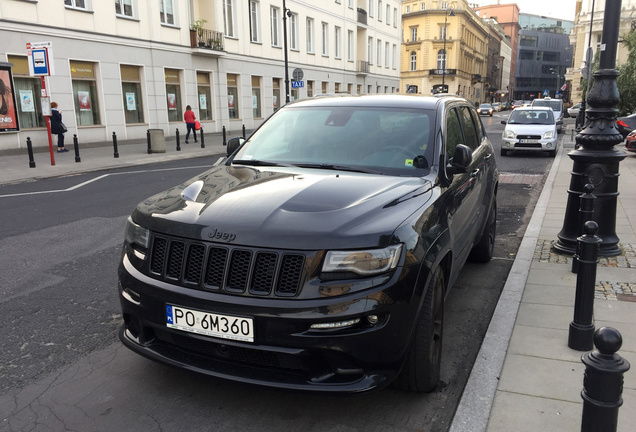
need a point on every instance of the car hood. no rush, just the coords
(520, 129)
(292, 208)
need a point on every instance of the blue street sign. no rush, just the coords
(40, 61)
(546, 93)
(298, 84)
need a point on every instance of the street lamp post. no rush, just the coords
(596, 159)
(286, 13)
(446, 15)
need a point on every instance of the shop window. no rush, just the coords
(310, 88)
(276, 93)
(204, 94)
(173, 95)
(325, 87)
(85, 93)
(131, 90)
(337, 87)
(27, 94)
(256, 97)
(232, 96)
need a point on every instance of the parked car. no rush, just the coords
(630, 142)
(557, 108)
(626, 125)
(531, 129)
(318, 256)
(574, 110)
(485, 109)
(505, 106)
(496, 106)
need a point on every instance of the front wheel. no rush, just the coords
(421, 369)
(482, 252)
(504, 152)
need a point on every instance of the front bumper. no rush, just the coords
(285, 353)
(541, 145)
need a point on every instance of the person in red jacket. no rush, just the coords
(190, 118)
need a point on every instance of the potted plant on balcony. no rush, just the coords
(216, 43)
(196, 32)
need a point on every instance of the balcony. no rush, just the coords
(363, 67)
(476, 78)
(362, 16)
(207, 39)
(449, 72)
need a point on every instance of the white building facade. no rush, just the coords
(132, 65)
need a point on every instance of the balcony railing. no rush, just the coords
(363, 66)
(210, 39)
(362, 16)
(441, 72)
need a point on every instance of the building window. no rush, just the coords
(379, 10)
(255, 19)
(350, 4)
(350, 88)
(27, 88)
(325, 39)
(528, 41)
(422, 6)
(78, 4)
(386, 54)
(167, 11)
(131, 91)
(413, 34)
(228, 17)
(408, 9)
(310, 35)
(337, 42)
(395, 17)
(370, 50)
(350, 45)
(310, 89)
(441, 59)
(85, 93)
(442, 32)
(394, 56)
(371, 7)
(293, 32)
(369, 89)
(124, 8)
(256, 97)
(388, 15)
(325, 87)
(294, 95)
(337, 87)
(378, 53)
(173, 95)
(276, 94)
(413, 60)
(233, 96)
(359, 89)
(204, 93)
(274, 23)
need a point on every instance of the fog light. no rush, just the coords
(333, 325)
(506, 144)
(373, 319)
(549, 145)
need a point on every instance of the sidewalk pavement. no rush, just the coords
(525, 377)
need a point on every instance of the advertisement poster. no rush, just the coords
(131, 105)
(8, 117)
(26, 101)
(230, 101)
(172, 101)
(84, 100)
(203, 102)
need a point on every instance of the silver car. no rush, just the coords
(531, 129)
(573, 111)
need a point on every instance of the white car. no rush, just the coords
(531, 129)
(573, 111)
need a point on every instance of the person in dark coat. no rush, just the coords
(57, 128)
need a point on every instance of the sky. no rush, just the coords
(563, 9)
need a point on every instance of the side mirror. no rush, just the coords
(503, 122)
(233, 144)
(462, 158)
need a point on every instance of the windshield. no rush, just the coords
(554, 104)
(525, 116)
(383, 140)
(485, 106)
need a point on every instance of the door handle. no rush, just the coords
(474, 173)
(488, 156)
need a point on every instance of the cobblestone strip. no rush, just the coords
(543, 253)
(615, 291)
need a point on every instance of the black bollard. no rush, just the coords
(176, 134)
(224, 140)
(30, 150)
(603, 382)
(115, 151)
(202, 142)
(243, 131)
(76, 147)
(581, 336)
(586, 213)
(148, 139)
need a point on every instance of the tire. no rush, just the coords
(421, 370)
(482, 251)
(504, 152)
(552, 153)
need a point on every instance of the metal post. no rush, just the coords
(30, 149)
(285, 12)
(115, 151)
(603, 382)
(176, 134)
(76, 147)
(581, 333)
(224, 137)
(202, 142)
(586, 212)
(148, 139)
(243, 131)
(596, 160)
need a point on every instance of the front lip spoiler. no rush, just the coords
(196, 364)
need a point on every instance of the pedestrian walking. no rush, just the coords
(57, 127)
(190, 119)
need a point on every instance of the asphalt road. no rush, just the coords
(63, 368)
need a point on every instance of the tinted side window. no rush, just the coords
(470, 132)
(481, 132)
(453, 133)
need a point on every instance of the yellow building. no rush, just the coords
(437, 32)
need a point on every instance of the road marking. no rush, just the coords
(72, 188)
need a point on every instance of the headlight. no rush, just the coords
(548, 135)
(135, 234)
(478, 110)
(509, 134)
(363, 262)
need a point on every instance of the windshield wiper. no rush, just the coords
(337, 167)
(255, 162)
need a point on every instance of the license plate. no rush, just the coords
(528, 141)
(210, 324)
